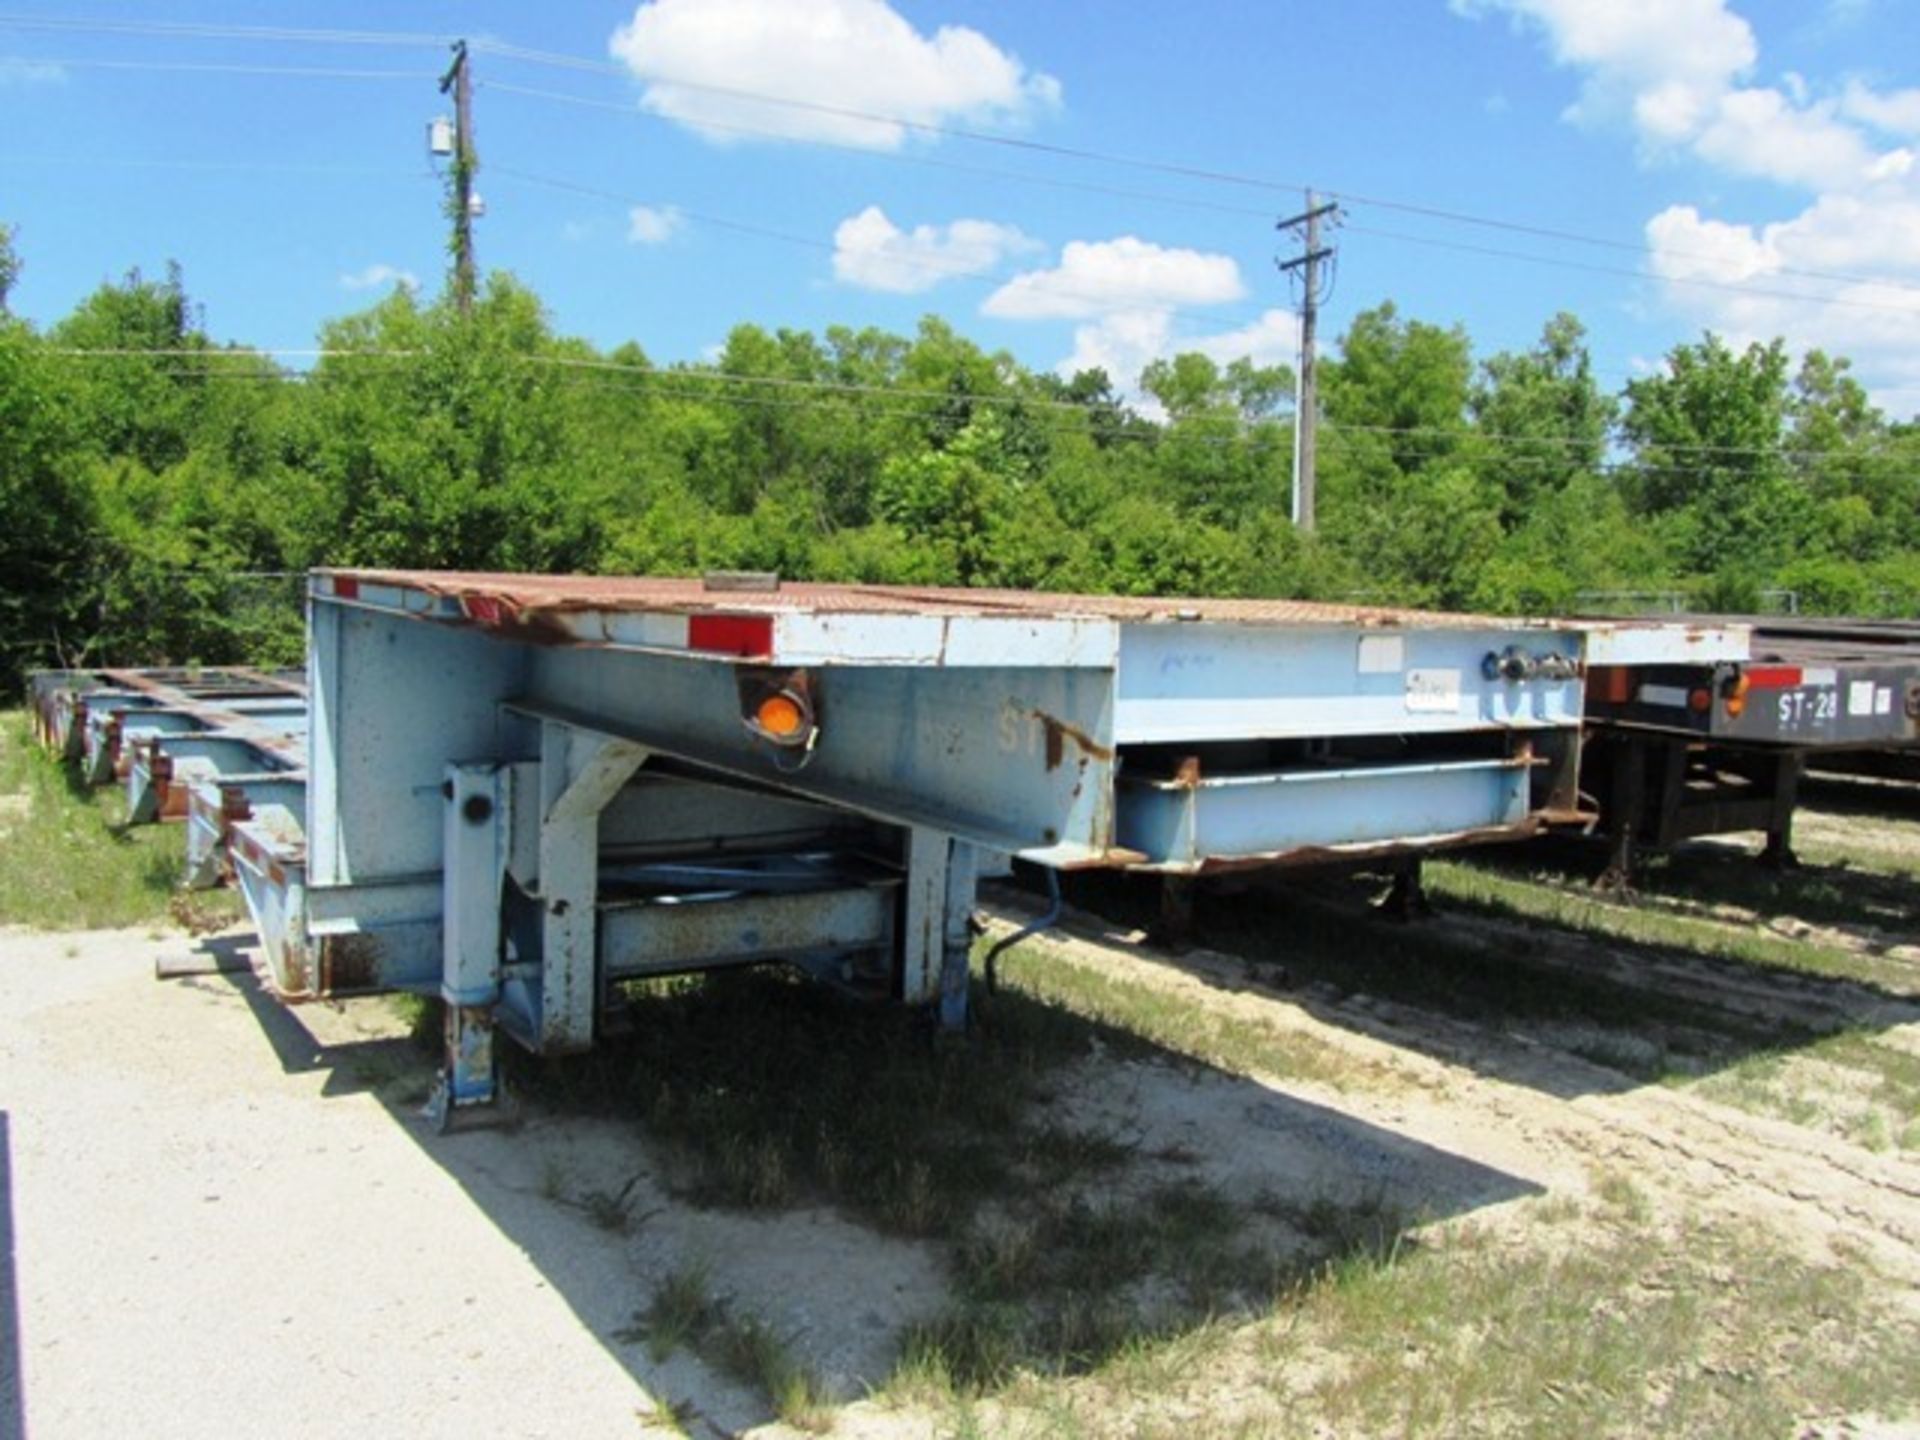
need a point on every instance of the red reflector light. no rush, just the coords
(1773, 677)
(1700, 701)
(486, 609)
(347, 587)
(745, 635)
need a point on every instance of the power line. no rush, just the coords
(551, 58)
(1726, 285)
(554, 59)
(654, 374)
(1242, 432)
(218, 68)
(1547, 232)
(135, 162)
(632, 111)
(1102, 304)
(174, 29)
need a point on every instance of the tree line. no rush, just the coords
(159, 492)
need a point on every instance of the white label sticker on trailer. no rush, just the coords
(1383, 654)
(1433, 692)
(1673, 696)
(1883, 700)
(1819, 677)
(1859, 697)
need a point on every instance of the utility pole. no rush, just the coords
(459, 80)
(1312, 292)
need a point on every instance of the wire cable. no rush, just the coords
(221, 68)
(553, 59)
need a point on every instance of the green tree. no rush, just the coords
(1708, 440)
(1543, 416)
(144, 407)
(47, 516)
(457, 454)
(1403, 380)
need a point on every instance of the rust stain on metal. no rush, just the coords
(1059, 732)
(293, 982)
(569, 594)
(1308, 855)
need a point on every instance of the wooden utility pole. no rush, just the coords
(1308, 263)
(459, 80)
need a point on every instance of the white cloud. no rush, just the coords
(16, 71)
(378, 277)
(1896, 112)
(1273, 339)
(1660, 61)
(843, 56)
(1762, 132)
(873, 253)
(1873, 324)
(1098, 277)
(1124, 344)
(1674, 71)
(653, 224)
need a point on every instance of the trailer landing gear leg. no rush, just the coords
(477, 826)
(469, 1085)
(1406, 898)
(1786, 795)
(1174, 929)
(1626, 807)
(937, 940)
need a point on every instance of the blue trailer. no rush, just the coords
(160, 732)
(521, 792)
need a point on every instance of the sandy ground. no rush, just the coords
(1530, 1104)
(227, 1218)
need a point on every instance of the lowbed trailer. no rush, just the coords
(520, 792)
(1715, 746)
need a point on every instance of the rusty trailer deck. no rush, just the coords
(522, 791)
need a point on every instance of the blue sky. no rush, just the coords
(1759, 147)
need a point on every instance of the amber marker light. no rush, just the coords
(1737, 696)
(782, 716)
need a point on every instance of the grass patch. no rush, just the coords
(770, 1091)
(1543, 899)
(684, 1314)
(1880, 1113)
(66, 863)
(1871, 859)
(1709, 1334)
(1709, 874)
(1173, 1022)
(1635, 1332)
(1320, 936)
(1068, 1285)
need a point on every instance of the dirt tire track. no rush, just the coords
(1510, 1100)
